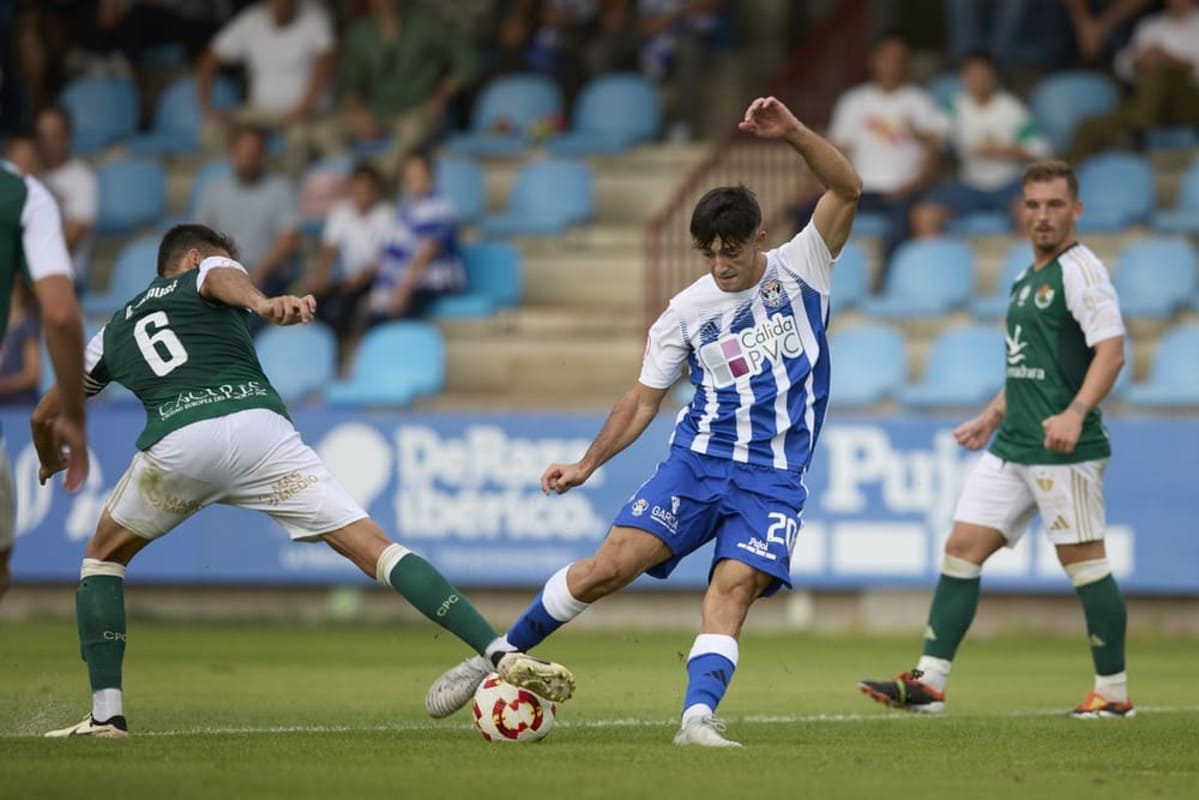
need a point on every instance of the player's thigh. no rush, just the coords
(995, 496)
(157, 492)
(631, 550)
(759, 524)
(1070, 499)
(114, 542)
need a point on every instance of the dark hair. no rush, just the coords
(981, 56)
(1051, 169)
(730, 212)
(364, 170)
(62, 114)
(181, 238)
(245, 129)
(888, 37)
(423, 156)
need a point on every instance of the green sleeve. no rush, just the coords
(352, 69)
(463, 60)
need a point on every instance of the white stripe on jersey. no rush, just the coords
(700, 443)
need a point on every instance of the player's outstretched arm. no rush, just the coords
(974, 433)
(233, 287)
(768, 118)
(628, 419)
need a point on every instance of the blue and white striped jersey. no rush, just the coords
(758, 359)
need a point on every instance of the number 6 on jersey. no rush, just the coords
(149, 342)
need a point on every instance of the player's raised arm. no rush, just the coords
(768, 118)
(226, 281)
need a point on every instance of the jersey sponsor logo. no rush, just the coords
(1044, 296)
(772, 293)
(152, 293)
(202, 397)
(1022, 296)
(1015, 347)
(640, 506)
(1016, 355)
(745, 353)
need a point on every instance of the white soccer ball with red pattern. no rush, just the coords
(506, 713)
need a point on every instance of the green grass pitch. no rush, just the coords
(292, 711)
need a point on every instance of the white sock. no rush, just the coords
(936, 671)
(697, 710)
(499, 644)
(1112, 687)
(557, 599)
(106, 704)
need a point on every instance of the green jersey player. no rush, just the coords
(217, 432)
(1065, 347)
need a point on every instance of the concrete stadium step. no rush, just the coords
(507, 365)
(609, 278)
(533, 322)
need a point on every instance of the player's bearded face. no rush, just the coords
(1050, 213)
(734, 265)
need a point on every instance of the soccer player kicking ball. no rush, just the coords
(752, 331)
(217, 432)
(1065, 347)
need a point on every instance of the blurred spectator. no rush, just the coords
(128, 29)
(20, 354)
(1011, 32)
(1102, 27)
(1162, 63)
(353, 238)
(420, 260)
(73, 184)
(399, 68)
(42, 34)
(891, 131)
(674, 40)
(993, 134)
(257, 209)
(289, 52)
(21, 152)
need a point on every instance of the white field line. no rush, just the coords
(627, 722)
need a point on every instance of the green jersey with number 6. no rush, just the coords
(1056, 316)
(186, 358)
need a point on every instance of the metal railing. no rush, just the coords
(832, 59)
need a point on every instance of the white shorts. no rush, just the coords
(8, 502)
(252, 459)
(1005, 496)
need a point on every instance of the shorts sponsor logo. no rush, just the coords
(758, 547)
(289, 486)
(151, 486)
(639, 507)
(1044, 296)
(667, 519)
(772, 294)
(745, 353)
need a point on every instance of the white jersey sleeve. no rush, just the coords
(1090, 296)
(41, 234)
(665, 352)
(807, 258)
(216, 262)
(95, 375)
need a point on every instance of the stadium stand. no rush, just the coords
(960, 370)
(509, 115)
(1183, 218)
(1156, 277)
(133, 193)
(134, 269)
(1061, 100)
(872, 364)
(993, 306)
(1173, 381)
(613, 113)
(547, 198)
(927, 277)
(396, 363)
(323, 184)
(300, 360)
(1117, 190)
(104, 110)
(461, 180)
(851, 277)
(177, 118)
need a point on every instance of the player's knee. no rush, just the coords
(966, 549)
(603, 574)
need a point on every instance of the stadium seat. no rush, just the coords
(299, 360)
(926, 278)
(613, 113)
(493, 269)
(1173, 380)
(461, 180)
(965, 367)
(178, 119)
(1156, 277)
(135, 267)
(395, 363)
(1117, 190)
(132, 193)
(218, 168)
(945, 87)
(511, 113)
(321, 186)
(1017, 259)
(1181, 137)
(102, 110)
(981, 223)
(1063, 99)
(851, 277)
(1184, 217)
(871, 363)
(869, 223)
(546, 198)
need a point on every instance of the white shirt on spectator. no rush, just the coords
(1002, 120)
(73, 185)
(882, 130)
(359, 238)
(1178, 39)
(279, 60)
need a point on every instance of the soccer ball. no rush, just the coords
(506, 713)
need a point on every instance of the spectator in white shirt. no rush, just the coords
(891, 131)
(289, 53)
(993, 135)
(1162, 63)
(73, 184)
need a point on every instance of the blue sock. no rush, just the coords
(710, 669)
(553, 608)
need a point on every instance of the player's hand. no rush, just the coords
(561, 478)
(768, 118)
(288, 309)
(1062, 431)
(70, 447)
(973, 434)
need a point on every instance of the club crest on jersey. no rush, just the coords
(1043, 297)
(640, 506)
(743, 354)
(772, 293)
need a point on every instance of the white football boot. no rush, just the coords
(455, 688)
(704, 730)
(115, 728)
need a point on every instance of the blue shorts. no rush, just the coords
(753, 512)
(963, 199)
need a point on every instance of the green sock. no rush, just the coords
(100, 613)
(424, 587)
(1107, 619)
(952, 611)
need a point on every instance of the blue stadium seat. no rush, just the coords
(1017, 259)
(133, 192)
(493, 269)
(1063, 99)
(1117, 190)
(546, 198)
(1173, 380)
(511, 112)
(103, 111)
(964, 368)
(851, 277)
(1181, 137)
(613, 113)
(1184, 217)
(299, 360)
(926, 278)
(135, 267)
(980, 223)
(178, 119)
(1156, 277)
(395, 363)
(461, 180)
(871, 363)
(945, 87)
(869, 223)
